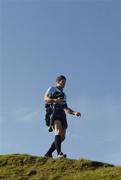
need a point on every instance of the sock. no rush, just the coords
(58, 143)
(52, 149)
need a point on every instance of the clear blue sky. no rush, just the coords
(43, 39)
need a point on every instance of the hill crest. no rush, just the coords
(24, 167)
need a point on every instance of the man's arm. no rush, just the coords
(47, 99)
(70, 111)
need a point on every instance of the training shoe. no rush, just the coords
(48, 155)
(60, 155)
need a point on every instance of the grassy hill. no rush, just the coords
(25, 167)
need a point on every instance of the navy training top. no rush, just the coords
(55, 92)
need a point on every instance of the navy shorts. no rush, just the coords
(60, 115)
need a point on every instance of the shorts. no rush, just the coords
(60, 115)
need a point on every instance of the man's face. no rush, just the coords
(61, 83)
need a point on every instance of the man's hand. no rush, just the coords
(47, 99)
(58, 101)
(77, 114)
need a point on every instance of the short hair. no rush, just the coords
(61, 77)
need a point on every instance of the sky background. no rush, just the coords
(41, 39)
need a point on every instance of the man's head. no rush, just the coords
(60, 81)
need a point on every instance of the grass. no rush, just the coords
(27, 167)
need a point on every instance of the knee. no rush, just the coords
(58, 132)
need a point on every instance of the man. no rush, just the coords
(56, 108)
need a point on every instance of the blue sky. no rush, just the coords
(43, 39)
